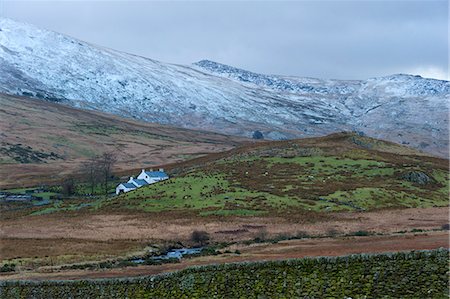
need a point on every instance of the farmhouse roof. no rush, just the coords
(156, 174)
(140, 182)
(128, 185)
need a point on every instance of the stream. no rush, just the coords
(172, 254)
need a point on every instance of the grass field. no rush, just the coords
(286, 177)
(335, 173)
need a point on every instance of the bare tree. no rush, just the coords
(90, 171)
(106, 162)
(68, 186)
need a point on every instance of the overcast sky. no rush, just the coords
(327, 39)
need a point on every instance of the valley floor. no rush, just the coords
(170, 226)
(40, 243)
(262, 252)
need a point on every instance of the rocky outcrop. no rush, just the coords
(417, 177)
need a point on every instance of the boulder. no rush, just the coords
(417, 177)
(257, 135)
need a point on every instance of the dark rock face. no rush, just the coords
(417, 177)
(258, 135)
(361, 142)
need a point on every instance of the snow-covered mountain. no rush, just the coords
(212, 96)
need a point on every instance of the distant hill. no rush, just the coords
(339, 172)
(41, 142)
(406, 109)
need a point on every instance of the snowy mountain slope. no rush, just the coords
(280, 83)
(208, 95)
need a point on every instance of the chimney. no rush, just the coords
(131, 178)
(143, 169)
(161, 169)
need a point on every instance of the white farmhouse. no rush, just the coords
(153, 176)
(144, 178)
(125, 187)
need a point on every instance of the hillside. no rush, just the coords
(342, 193)
(207, 95)
(41, 142)
(339, 172)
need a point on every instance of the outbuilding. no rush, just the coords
(125, 187)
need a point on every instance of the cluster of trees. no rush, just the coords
(96, 170)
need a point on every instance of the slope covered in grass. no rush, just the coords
(338, 172)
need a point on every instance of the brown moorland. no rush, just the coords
(43, 142)
(77, 237)
(257, 252)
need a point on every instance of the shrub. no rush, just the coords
(302, 234)
(446, 226)
(360, 233)
(261, 236)
(8, 268)
(200, 237)
(209, 250)
(332, 232)
(281, 237)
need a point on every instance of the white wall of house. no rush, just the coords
(122, 188)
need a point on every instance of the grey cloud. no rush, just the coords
(328, 39)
